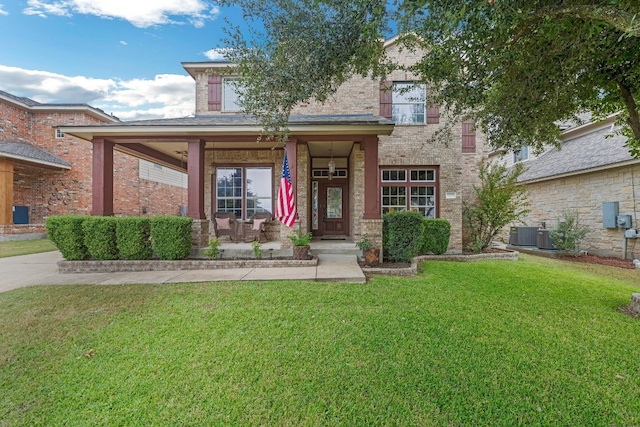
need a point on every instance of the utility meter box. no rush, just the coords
(610, 211)
(624, 221)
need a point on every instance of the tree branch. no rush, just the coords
(617, 18)
(632, 109)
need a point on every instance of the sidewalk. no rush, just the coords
(41, 269)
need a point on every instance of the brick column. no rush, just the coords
(102, 178)
(371, 178)
(6, 191)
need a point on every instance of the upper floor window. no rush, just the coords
(521, 154)
(230, 94)
(59, 133)
(408, 102)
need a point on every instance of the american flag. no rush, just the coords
(286, 209)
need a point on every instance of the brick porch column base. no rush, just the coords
(200, 234)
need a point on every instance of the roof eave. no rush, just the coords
(89, 132)
(35, 162)
(581, 172)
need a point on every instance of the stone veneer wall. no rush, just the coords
(586, 193)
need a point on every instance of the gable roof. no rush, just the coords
(596, 150)
(30, 154)
(35, 106)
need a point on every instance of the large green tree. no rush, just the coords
(517, 67)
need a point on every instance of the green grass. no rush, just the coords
(25, 247)
(532, 342)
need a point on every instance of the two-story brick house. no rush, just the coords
(45, 172)
(361, 154)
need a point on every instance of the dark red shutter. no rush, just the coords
(433, 115)
(468, 138)
(386, 99)
(215, 93)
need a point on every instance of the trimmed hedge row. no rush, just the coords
(406, 234)
(131, 238)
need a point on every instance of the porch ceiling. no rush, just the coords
(325, 134)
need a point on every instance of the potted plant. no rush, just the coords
(300, 242)
(370, 253)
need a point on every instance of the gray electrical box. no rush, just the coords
(624, 221)
(610, 211)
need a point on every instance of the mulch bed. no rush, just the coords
(594, 259)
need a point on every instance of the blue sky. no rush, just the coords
(119, 55)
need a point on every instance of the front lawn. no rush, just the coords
(25, 247)
(532, 342)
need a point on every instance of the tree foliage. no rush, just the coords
(517, 67)
(499, 202)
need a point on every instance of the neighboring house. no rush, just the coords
(592, 167)
(364, 152)
(45, 172)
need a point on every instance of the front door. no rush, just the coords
(333, 212)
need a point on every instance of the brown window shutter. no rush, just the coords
(215, 92)
(468, 138)
(386, 99)
(433, 115)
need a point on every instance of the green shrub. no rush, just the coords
(569, 233)
(402, 235)
(171, 237)
(213, 250)
(435, 236)
(133, 235)
(100, 237)
(500, 200)
(67, 234)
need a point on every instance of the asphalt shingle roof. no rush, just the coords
(247, 120)
(586, 152)
(27, 152)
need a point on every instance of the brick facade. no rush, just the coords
(50, 192)
(407, 146)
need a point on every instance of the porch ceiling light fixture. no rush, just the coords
(332, 164)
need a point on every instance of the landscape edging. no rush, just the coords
(117, 266)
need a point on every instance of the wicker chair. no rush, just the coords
(225, 224)
(256, 226)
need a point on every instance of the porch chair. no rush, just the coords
(256, 226)
(225, 224)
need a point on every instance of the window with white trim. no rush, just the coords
(230, 94)
(418, 193)
(244, 190)
(408, 103)
(59, 133)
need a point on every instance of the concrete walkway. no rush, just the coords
(41, 269)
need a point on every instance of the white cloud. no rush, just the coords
(122, 42)
(140, 13)
(166, 96)
(2, 11)
(216, 54)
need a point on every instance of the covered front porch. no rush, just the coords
(333, 163)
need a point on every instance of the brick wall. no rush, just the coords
(407, 146)
(60, 192)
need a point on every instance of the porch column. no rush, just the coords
(6, 191)
(195, 171)
(102, 178)
(371, 178)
